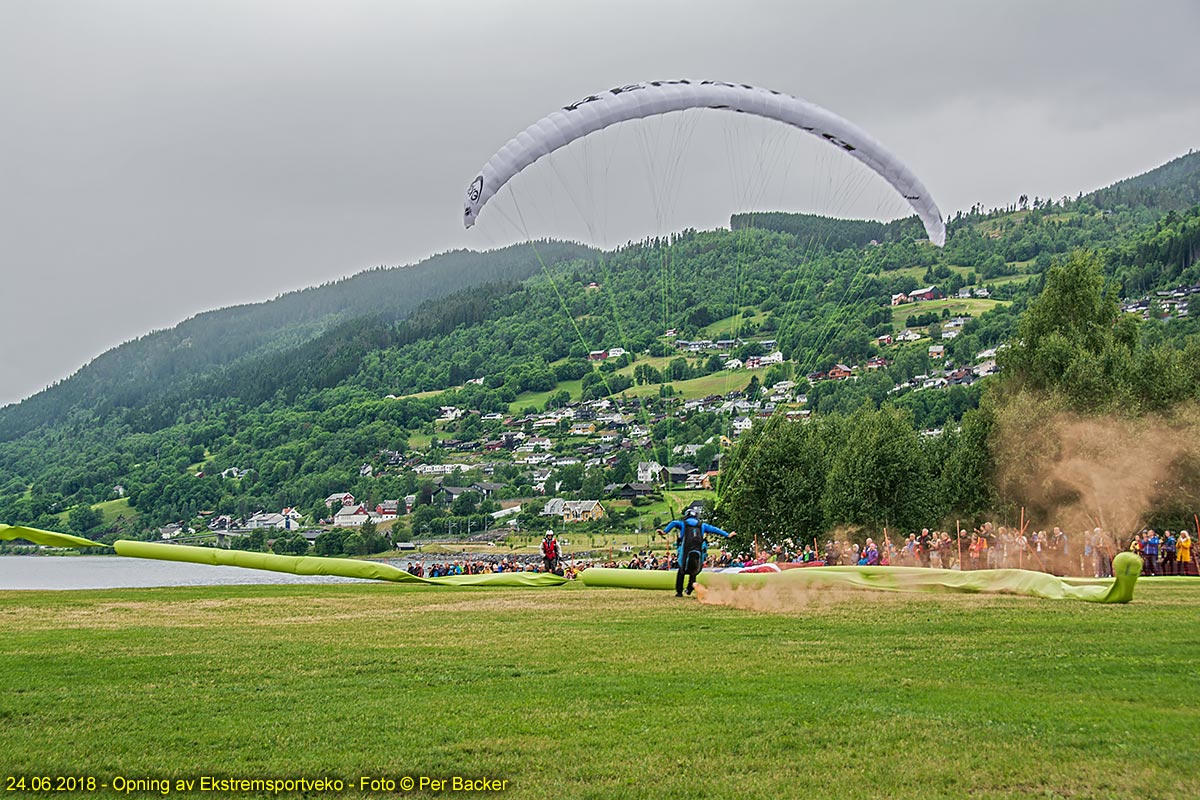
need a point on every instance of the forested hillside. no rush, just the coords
(148, 369)
(1174, 186)
(345, 387)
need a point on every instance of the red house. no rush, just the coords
(839, 371)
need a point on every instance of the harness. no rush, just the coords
(693, 535)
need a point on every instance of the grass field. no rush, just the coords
(577, 692)
(973, 306)
(729, 326)
(421, 441)
(716, 383)
(537, 400)
(918, 274)
(109, 511)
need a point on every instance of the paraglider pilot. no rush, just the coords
(551, 552)
(691, 547)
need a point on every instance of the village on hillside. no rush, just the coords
(525, 467)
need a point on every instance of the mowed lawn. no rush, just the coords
(577, 692)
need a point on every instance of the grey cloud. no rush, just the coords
(159, 159)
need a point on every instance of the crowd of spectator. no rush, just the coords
(441, 567)
(1088, 553)
(1168, 554)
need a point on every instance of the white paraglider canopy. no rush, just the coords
(639, 100)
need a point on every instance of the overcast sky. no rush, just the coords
(162, 158)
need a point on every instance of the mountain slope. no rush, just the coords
(141, 371)
(1172, 187)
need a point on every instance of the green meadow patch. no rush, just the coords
(577, 692)
(730, 327)
(110, 511)
(974, 307)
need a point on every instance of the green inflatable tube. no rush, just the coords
(316, 565)
(296, 565)
(634, 578)
(45, 538)
(1126, 567)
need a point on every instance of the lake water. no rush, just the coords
(114, 572)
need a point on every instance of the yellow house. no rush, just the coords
(582, 510)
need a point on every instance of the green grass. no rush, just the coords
(716, 383)
(421, 441)
(579, 541)
(538, 399)
(109, 511)
(972, 306)
(674, 502)
(199, 466)
(1006, 279)
(577, 692)
(918, 273)
(729, 326)
(991, 227)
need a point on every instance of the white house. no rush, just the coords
(434, 469)
(772, 358)
(451, 413)
(351, 516)
(986, 368)
(649, 471)
(278, 521)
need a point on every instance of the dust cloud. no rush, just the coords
(1083, 472)
(775, 598)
